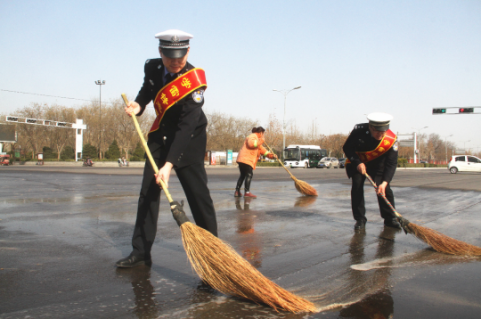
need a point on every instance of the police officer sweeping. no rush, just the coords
(177, 140)
(371, 148)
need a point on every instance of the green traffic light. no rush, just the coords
(438, 110)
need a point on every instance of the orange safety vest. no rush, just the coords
(175, 91)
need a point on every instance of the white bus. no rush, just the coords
(303, 156)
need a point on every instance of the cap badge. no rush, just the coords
(175, 38)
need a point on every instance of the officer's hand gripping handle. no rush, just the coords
(176, 207)
(146, 149)
(403, 222)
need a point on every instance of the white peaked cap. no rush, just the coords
(380, 120)
(174, 35)
(379, 117)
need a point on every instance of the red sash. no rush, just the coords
(385, 144)
(175, 91)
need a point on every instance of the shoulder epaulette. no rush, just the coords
(150, 61)
(152, 65)
(361, 126)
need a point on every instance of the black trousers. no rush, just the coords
(245, 175)
(358, 198)
(194, 180)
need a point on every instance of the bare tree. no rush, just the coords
(116, 124)
(223, 132)
(226, 132)
(274, 133)
(334, 144)
(59, 137)
(32, 137)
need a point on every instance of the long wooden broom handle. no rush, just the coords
(383, 196)
(148, 152)
(292, 177)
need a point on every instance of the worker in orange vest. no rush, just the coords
(248, 157)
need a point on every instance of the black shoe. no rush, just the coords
(360, 224)
(393, 223)
(132, 261)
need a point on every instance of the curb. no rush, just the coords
(104, 164)
(422, 168)
(140, 164)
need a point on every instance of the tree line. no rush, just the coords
(107, 127)
(110, 134)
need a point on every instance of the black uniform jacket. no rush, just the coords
(182, 131)
(360, 140)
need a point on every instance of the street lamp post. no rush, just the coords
(285, 93)
(100, 83)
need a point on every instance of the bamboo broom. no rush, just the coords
(438, 241)
(219, 265)
(302, 187)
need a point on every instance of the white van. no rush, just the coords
(463, 163)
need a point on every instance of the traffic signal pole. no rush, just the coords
(79, 127)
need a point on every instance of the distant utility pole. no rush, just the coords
(100, 83)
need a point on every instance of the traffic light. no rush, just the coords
(12, 119)
(466, 110)
(439, 110)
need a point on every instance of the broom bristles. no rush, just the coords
(220, 266)
(442, 243)
(304, 188)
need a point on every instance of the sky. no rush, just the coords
(350, 58)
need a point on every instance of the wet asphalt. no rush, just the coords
(63, 228)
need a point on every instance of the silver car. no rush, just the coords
(328, 162)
